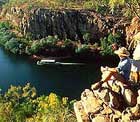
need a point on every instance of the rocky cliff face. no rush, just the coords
(109, 102)
(131, 31)
(71, 24)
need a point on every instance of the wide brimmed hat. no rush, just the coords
(137, 37)
(122, 52)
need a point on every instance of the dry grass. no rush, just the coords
(55, 4)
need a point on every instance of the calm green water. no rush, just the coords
(67, 81)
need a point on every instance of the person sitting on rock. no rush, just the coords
(117, 79)
(122, 71)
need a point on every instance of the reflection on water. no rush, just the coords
(63, 80)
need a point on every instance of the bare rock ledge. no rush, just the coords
(111, 102)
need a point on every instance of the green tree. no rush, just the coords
(35, 47)
(12, 45)
(21, 104)
(106, 43)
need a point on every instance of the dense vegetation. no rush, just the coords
(48, 45)
(21, 104)
(106, 43)
(52, 45)
(123, 7)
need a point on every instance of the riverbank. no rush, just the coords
(87, 32)
(52, 47)
(79, 59)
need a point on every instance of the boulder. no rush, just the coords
(90, 103)
(107, 110)
(116, 116)
(101, 118)
(129, 97)
(103, 94)
(114, 100)
(110, 102)
(138, 98)
(116, 88)
(80, 113)
(125, 118)
(131, 113)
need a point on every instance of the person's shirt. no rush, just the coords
(124, 67)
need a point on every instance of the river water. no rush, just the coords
(67, 81)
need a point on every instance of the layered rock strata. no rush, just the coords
(73, 24)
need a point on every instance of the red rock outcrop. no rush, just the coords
(65, 23)
(109, 103)
(131, 31)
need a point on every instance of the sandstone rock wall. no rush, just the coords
(109, 102)
(131, 31)
(71, 24)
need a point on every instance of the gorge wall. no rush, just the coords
(65, 23)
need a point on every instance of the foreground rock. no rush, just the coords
(110, 102)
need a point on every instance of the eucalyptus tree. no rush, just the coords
(128, 7)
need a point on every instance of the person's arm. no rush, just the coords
(109, 69)
(112, 69)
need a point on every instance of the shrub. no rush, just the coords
(102, 6)
(51, 41)
(83, 49)
(106, 43)
(87, 37)
(113, 38)
(5, 34)
(20, 104)
(68, 44)
(103, 9)
(4, 38)
(5, 25)
(89, 5)
(105, 46)
(12, 45)
(28, 50)
(36, 47)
